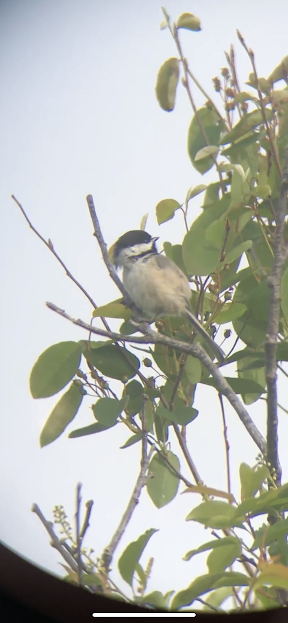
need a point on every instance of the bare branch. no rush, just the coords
(86, 524)
(151, 337)
(49, 245)
(187, 455)
(227, 446)
(78, 538)
(134, 500)
(185, 82)
(274, 283)
(103, 246)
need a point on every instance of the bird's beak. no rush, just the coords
(155, 239)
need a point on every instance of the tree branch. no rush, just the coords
(187, 455)
(151, 337)
(49, 245)
(140, 483)
(55, 541)
(274, 283)
(226, 442)
(78, 538)
(103, 246)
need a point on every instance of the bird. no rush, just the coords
(154, 282)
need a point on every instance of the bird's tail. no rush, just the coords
(218, 352)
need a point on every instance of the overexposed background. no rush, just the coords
(79, 115)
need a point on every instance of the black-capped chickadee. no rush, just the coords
(154, 283)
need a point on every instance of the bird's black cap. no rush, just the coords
(135, 236)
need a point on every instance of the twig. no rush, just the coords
(185, 82)
(198, 85)
(86, 524)
(262, 106)
(196, 350)
(227, 446)
(274, 283)
(103, 246)
(187, 455)
(78, 538)
(231, 62)
(140, 483)
(55, 541)
(50, 246)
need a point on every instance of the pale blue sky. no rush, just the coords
(79, 115)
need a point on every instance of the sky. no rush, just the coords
(79, 115)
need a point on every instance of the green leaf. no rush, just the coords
(89, 430)
(218, 560)
(253, 324)
(239, 386)
(163, 25)
(215, 235)
(208, 120)
(166, 85)
(141, 574)
(193, 370)
(195, 190)
(132, 554)
(154, 599)
(262, 191)
(240, 188)
(91, 579)
(248, 122)
(54, 369)
(174, 251)
(237, 251)
(107, 410)
(205, 583)
(246, 353)
(214, 514)
(182, 415)
(189, 22)
(275, 499)
(113, 361)
(252, 370)
(216, 599)
(163, 487)
(282, 352)
(165, 359)
(214, 544)
(127, 328)
(206, 152)
(269, 534)
(279, 72)
(143, 221)
(62, 414)
(269, 598)
(131, 441)
(245, 473)
(199, 258)
(134, 390)
(284, 294)
(166, 209)
(229, 312)
(161, 428)
(274, 574)
(115, 309)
